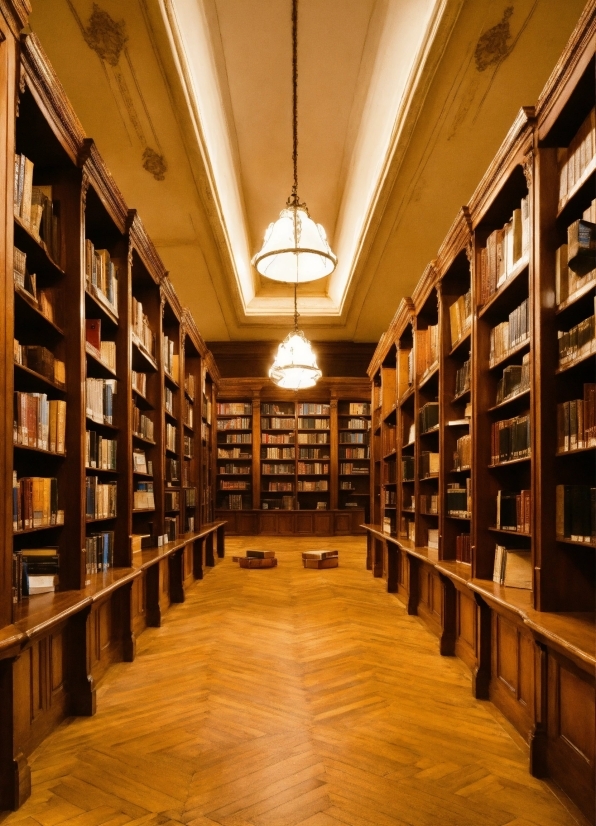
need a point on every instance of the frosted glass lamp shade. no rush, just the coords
(295, 366)
(295, 249)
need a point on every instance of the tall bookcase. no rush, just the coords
(490, 424)
(107, 510)
(308, 456)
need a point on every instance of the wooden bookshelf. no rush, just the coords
(510, 433)
(102, 341)
(310, 457)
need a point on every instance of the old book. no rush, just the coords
(517, 569)
(260, 554)
(319, 554)
(93, 332)
(138, 541)
(26, 196)
(332, 562)
(581, 246)
(250, 562)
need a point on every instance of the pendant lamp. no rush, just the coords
(295, 366)
(295, 247)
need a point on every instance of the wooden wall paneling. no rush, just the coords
(198, 558)
(209, 551)
(570, 731)
(334, 456)
(15, 774)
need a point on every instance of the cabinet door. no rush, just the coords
(342, 523)
(286, 523)
(304, 522)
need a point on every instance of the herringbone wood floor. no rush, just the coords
(287, 696)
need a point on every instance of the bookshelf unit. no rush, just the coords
(234, 455)
(299, 460)
(508, 411)
(90, 383)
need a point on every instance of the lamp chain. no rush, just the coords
(295, 306)
(295, 98)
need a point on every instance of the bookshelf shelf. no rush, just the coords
(36, 380)
(37, 252)
(97, 304)
(566, 541)
(586, 179)
(459, 345)
(428, 375)
(571, 365)
(510, 462)
(31, 449)
(510, 533)
(27, 306)
(510, 400)
(496, 301)
(514, 351)
(577, 296)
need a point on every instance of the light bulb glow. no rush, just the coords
(295, 365)
(295, 249)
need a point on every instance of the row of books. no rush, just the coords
(316, 467)
(171, 436)
(389, 524)
(103, 350)
(428, 416)
(281, 468)
(388, 439)
(100, 498)
(170, 358)
(432, 539)
(463, 548)
(188, 446)
(169, 400)
(581, 248)
(101, 276)
(359, 409)
(228, 484)
(357, 424)
(575, 159)
(234, 409)
(347, 438)
(428, 503)
(35, 207)
(462, 455)
(237, 470)
(143, 497)
(514, 511)
(189, 386)
(100, 452)
(509, 334)
(346, 453)
(407, 468)
(140, 463)
(460, 317)
(286, 503)
(172, 470)
(99, 400)
(578, 342)
(171, 500)
(458, 498)
(389, 473)
(576, 513)
(189, 523)
(514, 380)
(47, 300)
(99, 552)
(142, 333)
(389, 496)
(307, 423)
(206, 411)
(427, 349)
(139, 382)
(233, 502)
(576, 422)
(505, 248)
(188, 413)
(429, 464)
(238, 423)
(275, 487)
(34, 571)
(279, 453)
(275, 409)
(462, 378)
(323, 438)
(239, 453)
(283, 439)
(513, 567)
(142, 425)
(190, 497)
(407, 528)
(35, 503)
(349, 469)
(318, 485)
(239, 439)
(312, 409)
(510, 439)
(39, 422)
(41, 360)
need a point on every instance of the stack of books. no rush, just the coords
(256, 559)
(320, 559)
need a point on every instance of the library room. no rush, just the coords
(298, 460)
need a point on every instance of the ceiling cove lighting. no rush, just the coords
(295, 248)
(295, 366)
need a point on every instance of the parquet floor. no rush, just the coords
(284, 697)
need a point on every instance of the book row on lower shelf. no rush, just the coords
(35, 503)
(34, 571)
(39, 422)
(42, 361)
(576, 422)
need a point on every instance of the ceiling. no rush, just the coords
(402, 104)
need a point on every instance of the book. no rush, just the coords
(331, 562)
(319, 554)
(260, 554)
(248, 562)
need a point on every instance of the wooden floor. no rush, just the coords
(287, 696)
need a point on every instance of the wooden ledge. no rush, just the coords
(150, 556)
(10, 641)
(457, 571)
(571, 634)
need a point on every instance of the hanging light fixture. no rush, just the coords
(295, 247)
(295, 366)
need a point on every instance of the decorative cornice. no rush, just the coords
(167, 289)
(511, 153)
(100, 178)
(16, 14)
(50, 94)
(326, 388)
(144, 247)
(576, 53)
(457, 239)
(425, 285)
(399, 322)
